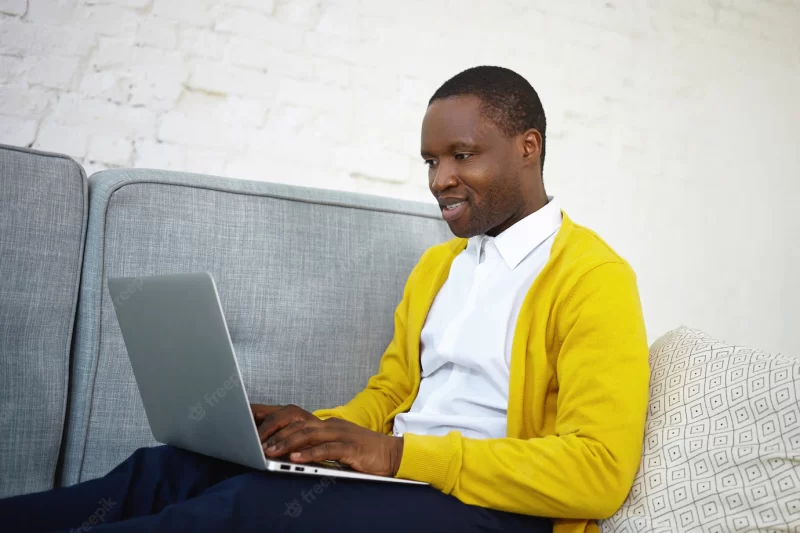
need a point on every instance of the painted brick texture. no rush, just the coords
(672, 125)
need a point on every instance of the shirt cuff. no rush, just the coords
(431, 459)
(324, 414)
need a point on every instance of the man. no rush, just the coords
(516, 383)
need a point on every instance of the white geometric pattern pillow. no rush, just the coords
(722, 442)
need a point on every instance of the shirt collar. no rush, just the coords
(518, 241)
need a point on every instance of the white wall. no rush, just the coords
(674, 125)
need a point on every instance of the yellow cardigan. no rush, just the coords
(577, 397)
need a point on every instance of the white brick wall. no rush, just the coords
(673, 125)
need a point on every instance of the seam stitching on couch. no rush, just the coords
(98, 336)
(135, 181)
(75, 298)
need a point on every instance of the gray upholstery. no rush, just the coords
(43, 210)
(308, 279)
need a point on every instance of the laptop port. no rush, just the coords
(286, 467)
(300, 469)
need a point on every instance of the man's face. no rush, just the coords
(473, 168)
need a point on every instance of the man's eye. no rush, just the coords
(463, 156)
(430, 162)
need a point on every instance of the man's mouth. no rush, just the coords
(452, 211)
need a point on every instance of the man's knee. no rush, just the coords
(158, 454)
(158, 457)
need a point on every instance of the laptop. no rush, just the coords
(188, 377)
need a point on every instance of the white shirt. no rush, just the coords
(466, 341)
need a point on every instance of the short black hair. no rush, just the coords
(508, 99)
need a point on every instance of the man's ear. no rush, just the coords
(531, 146)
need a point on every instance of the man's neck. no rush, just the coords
(530, 209)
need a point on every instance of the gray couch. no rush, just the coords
(308, 281)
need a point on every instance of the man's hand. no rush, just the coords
(290, 430)
(271, 418)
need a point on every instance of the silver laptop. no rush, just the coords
(183, 360)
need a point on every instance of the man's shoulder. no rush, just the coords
(575, 242)
(576, 246)
(583, 249)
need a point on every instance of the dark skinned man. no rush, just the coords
(515, 385)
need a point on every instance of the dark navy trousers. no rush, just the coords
(167, 489)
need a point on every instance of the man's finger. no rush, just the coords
(279, 419)
(327, 451)
(284, 433)
(272, 423)
(305, 436)
(261, 411)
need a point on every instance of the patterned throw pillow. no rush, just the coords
(722, 445)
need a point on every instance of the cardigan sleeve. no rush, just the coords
(584, 470)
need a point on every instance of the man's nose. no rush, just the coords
(444, 177)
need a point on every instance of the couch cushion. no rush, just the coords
(43, 209)
(722, 444)
(308, 281)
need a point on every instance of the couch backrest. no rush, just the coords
(43, 210)
(308, 280)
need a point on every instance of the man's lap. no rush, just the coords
(163, 488)
(300, 503)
